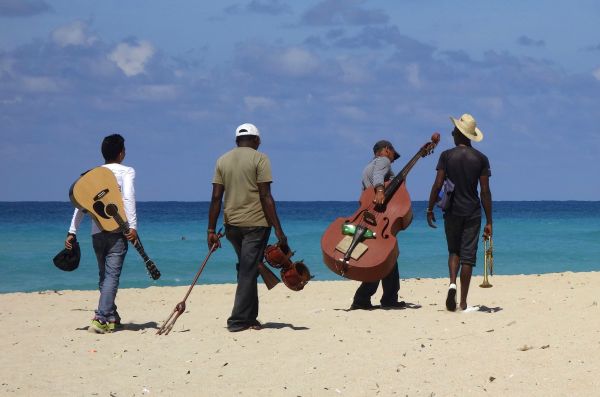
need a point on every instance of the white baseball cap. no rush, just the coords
(246, 129)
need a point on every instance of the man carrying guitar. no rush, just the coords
(110, 248)
(378, 171)
(243, 179)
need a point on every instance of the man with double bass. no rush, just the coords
(465, 167)
(378, 171)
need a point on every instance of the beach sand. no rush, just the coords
(536, 335)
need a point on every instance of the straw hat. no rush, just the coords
(468, 126)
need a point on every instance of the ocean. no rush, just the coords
(529, 238)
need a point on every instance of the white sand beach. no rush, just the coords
(536, 335)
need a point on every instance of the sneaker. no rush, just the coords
(114, 325)
(451, 298)
(99, 327)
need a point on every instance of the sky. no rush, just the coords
(323, 80)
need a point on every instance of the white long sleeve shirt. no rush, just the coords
(126, 181)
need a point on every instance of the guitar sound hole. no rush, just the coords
(112, 210)
(99, 209)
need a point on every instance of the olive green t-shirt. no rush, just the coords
(240, 171)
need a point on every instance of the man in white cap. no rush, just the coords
(243, 179)
(466, 168)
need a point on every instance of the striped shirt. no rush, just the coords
(376, 172)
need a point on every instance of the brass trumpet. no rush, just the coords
(488, 262)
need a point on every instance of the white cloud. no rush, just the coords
(258, 102)
(40, 84)
(353, 112)
(596, 74)
(154, 92)
(296, 62)
(412, 72)
(13, 101)
(132, 59)
(354, 72)
(494, 105)
(75, 33)
(6, 66)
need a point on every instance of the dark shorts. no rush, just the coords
(462, 236)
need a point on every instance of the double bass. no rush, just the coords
(363, 247)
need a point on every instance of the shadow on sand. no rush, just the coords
(129, 327)
(485, 309)
(378, 307)
(283, 325)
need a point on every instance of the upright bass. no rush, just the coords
(363, 247)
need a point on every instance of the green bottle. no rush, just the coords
(349, 229)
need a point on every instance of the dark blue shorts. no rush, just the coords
(462, 236)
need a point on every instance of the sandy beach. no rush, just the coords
(535, 335)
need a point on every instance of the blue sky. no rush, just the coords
(323, 80)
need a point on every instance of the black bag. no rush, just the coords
(68, 260)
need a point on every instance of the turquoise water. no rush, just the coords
(529, 238)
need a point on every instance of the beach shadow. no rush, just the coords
(485, 309)
(283, 325)
(378, 307)
(139, 327)
(129, 327)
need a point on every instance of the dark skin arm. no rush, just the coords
(268, 206)
(486, 201)
(435, 191)
(213, 214)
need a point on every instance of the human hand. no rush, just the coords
(282, 241)
(131, 235)
(212, 238)
(68, 241)
(431, 219)
(487, 231)
(379, 197)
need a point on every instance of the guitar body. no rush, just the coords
(97, 192)
(93, 192)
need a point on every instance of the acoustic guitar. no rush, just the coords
(97, 193)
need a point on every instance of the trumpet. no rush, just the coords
(488, 262)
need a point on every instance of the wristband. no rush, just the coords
(209, 231)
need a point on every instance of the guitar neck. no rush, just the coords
(124, 227)
(140, 249)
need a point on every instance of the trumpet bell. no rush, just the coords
(486, 284)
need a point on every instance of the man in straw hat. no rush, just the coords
(465, 167)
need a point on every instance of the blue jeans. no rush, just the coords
(110, 249)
